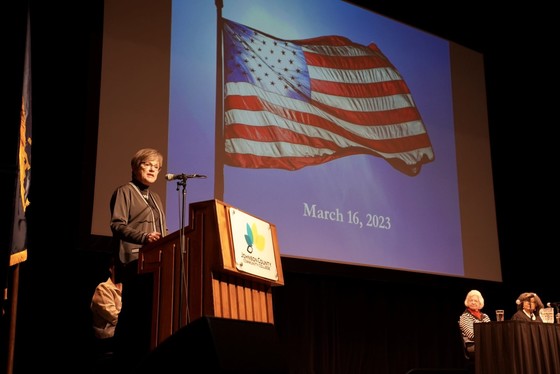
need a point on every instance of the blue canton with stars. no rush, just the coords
(274, 65)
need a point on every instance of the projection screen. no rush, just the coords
(364, 140)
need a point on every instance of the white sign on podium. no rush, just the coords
(253, 245)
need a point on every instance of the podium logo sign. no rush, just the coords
(252, 245)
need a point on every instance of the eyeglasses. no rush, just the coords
(148, 165)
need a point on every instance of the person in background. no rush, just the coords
(137, 219)
(105, 306)
(474, 302)
(528, 308)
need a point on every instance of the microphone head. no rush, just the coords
(183, 177)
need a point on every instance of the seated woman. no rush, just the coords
(471, 315)
(528, 308)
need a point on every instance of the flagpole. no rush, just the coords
(13, 315)
(219, 146)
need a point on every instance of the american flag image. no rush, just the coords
(290, 104)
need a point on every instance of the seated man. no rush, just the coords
(106, 304)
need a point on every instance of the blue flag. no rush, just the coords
(18, 248)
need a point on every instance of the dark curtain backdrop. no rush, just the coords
(330, 319)
(375, 322)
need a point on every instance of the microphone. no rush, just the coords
(171, 177)
(551, 304)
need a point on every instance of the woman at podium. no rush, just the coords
(137, 219)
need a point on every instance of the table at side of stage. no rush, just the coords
(517, 347)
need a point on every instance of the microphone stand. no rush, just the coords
(184, 289)
(556, 308)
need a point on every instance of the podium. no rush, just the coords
(229, 265)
